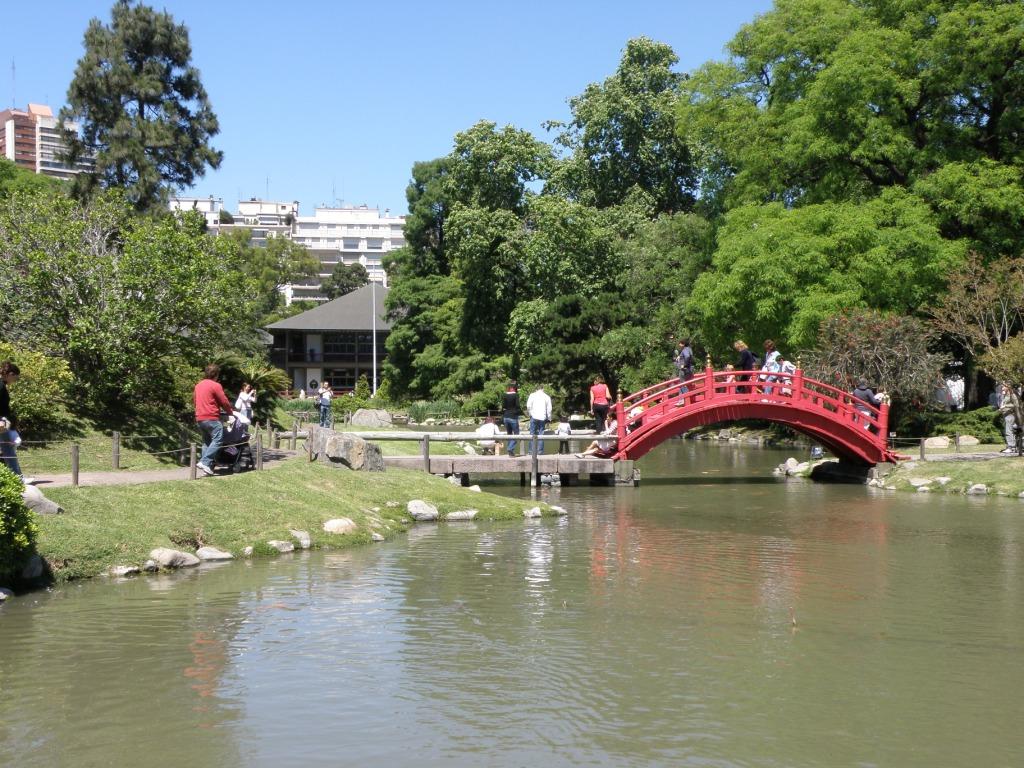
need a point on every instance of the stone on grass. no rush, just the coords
(212, 553)
(532, 512)
(347, 450)
(460, 515)
(455, 479)
(125, 570)
(924, 489)
(978, 489)
(247, 552)
(421, 511)
(942, 480)
(38, 503)
(281, 546)
(560, 511)
(340, 525)
(375, 510)
(917, 482)
(937, 442)
(376, 537)
(791, 464)
(173, 558)
(476, 489)
(303, 538)
(392, 504)
(371, 417)
(150, 566)
(969, 440)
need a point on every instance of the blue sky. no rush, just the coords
(322, 100)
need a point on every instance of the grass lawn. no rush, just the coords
(119, 525)
(1002, 476)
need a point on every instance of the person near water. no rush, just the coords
(1009, 412)
(604, 446)
(564, 430)
(600, 399)
(682, 359)
(510, 411)
(538, 405)
(864, 394)
(771, 364)
(10, 439)
(746, 362)
(323, 400)
(210, 400)
(488, 430)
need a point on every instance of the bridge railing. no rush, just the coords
(713, 387)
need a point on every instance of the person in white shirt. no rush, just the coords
(538, 405)
(246, 400)
(564, 430)
(489, 429)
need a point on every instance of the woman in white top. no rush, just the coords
(246, 400)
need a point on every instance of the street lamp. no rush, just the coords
(373, 325)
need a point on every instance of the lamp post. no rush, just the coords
(373, 325)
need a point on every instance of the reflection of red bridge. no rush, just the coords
(851, 429)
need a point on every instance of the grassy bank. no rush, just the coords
(1003, 476)
(119, 525)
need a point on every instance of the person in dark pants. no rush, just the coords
(864, 394)
(510, 414)
(683, 362)
(210, 401)
(747, 362)
(9, 437)
(600, 399)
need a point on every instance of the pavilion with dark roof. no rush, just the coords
(334, 341)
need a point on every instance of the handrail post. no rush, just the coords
(709, 380)
(922, 447)
(425, 447)
(115, 458)
(798, 384)
(74, 464)
(883, 425)
(259, 450)
(191, 461)
(534, 474)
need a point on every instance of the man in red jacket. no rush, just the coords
(210, 400)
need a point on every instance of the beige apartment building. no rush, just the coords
(32, 139)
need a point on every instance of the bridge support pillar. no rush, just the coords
(464, 479)
(568, 478)
(626, 473)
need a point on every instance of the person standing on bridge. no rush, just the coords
(600, 399)
(682, 359)
(538, 405)
(747, 362)
(210, 400)
(864, 394)
(510, 414)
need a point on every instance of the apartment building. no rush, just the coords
(210, 207)
(32, 139)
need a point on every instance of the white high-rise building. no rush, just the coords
(352, 235)
(210, 207)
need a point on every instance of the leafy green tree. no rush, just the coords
(14, 178)
(18, 531)
(124, 299)
(344, 278)
(623, 135)
(778, 273)
(141, 107)
(271, 267)
(40, 392)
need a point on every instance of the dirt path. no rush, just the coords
(271, 459)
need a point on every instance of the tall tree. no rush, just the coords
(623, 135)
(344, 278)
(141, 107)
(271, 267)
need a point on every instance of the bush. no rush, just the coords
(983, 423)
(38, 395)
(422, 410)
(17, 528)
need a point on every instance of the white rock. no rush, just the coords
(937, 442)
(969, 440)
(791, 463)
(124, 570)
(282, 546)
(532, 512)
(5, 593)
(376, 537)
(150, 566)
(454, 479)
(172, 558)
(476, 489)
(924, 489)
(38, 503)
(421, 511)
(802, 467)
(340, 525)
(461, 514)
(917, 482)
(303, 538)
(560, 511)
(212, 553)
(375, 510)
(247, 552)
(978, 489)
(942, 480)
(1020, 495)
(469, 450)
(392, 504)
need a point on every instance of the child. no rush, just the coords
(563, 430)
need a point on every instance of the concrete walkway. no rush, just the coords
(271, 459)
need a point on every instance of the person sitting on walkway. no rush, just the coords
(603, 447)
(210, 400)
(864, 394)
(485, 430)
(1009, 412)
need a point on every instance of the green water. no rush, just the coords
(714, 616)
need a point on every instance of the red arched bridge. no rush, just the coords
(850, 428)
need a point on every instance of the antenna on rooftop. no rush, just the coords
(14, 84)
(267, 193)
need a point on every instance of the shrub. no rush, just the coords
(38, 395)
(17, 528)
(983, 423)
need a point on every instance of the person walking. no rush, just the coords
(538, 405)
(1009, 412)
(682, 359)
(772, 358)
(600, 399)
(210, 400)
(747, 362)
(510, 414)
(864, 394)
(9, 437)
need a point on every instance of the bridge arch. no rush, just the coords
(849, 428)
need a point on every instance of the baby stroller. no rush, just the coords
(235, 452)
